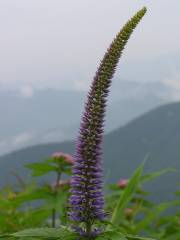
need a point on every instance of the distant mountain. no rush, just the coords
(47, 115)
(156, 133)
(31, 117)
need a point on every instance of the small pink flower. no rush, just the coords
(123, 183)
(67, 157)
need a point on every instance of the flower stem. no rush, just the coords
(88, 230)
(55, 192)
(53, 218)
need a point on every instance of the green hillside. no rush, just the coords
(156, 133)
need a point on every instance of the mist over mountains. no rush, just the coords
(49, 115)
(30, 120)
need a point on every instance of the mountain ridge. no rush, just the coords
(156, 133)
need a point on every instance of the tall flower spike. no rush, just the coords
(87, 198)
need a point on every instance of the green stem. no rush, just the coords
(53, 218)
(88, 230)
(54, 210)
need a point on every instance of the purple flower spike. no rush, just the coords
(87, 200)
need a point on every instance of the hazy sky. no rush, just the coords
(58, 43)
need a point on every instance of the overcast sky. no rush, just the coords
(58, 43)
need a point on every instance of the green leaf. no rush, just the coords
(39, 169)
(35, 217)
(127, 195)
(151, 216)
(129, 236)
(111, 235)
(57, 201)
(45, 233)
(31, 195)
(152, 176)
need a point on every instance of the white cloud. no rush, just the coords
(173, 83)
(22, 138)
(15, 142)
(26, 91)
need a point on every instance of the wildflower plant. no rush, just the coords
(54, 194)
(129, 199)
(86, 202)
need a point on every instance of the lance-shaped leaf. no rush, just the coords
(44, 233)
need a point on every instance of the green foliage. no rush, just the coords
(111, 235)
(154, 175)
(50, 165)
(17, 212)
(138, 215)
(45, 233)
(127, 195)
(32, 211)
(31, 205)
(40, 169)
